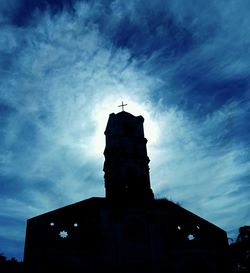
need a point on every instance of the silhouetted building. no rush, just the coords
(128, 231)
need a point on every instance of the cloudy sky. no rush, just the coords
(65, 65)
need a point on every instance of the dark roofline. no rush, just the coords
(100, 201)
(97, 200)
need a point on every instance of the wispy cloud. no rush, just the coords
(198, 165)
(184, 67)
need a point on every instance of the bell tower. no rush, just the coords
(126, 170)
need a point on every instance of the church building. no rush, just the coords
(128, 230)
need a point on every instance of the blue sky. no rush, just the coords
(66, 65)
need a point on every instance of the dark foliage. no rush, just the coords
(11, 265)
(240, 251)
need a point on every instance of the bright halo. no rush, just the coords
(100, 115)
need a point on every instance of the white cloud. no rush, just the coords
(63, 83)
(66, 76)
(193, 166)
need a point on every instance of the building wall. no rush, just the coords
(129, 238)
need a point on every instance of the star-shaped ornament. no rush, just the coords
(63, 234)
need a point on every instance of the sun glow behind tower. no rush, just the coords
(108, 105)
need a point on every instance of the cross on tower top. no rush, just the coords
(122, 106)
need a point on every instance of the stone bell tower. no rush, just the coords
(126, 160)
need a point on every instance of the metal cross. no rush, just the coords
(122, 106)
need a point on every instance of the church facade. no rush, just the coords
(128, 231)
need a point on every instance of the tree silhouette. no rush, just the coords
(240, 251)
(11, 265)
